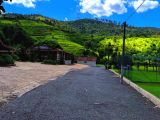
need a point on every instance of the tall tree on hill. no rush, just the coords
(109, 50)
(88, 44)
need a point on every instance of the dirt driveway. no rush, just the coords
(25, 76)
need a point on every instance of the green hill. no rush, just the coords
(24, 31)
(110, 28)
(41, 33)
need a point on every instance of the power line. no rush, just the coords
(124, 39)
(135, 10)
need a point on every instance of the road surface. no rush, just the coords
(88, 94)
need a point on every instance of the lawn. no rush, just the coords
(143, 76)
(100, 65)
(153, 88)
(148, 80)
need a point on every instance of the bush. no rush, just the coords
(6, 60)
(53, 62)
(15, 57)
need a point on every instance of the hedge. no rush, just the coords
(6, 59)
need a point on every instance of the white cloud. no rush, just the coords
(102, 7)
(65, 19)
(148, 4)
(26, 3)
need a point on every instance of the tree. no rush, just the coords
(88, 44)
(1, 7)
(109, 50)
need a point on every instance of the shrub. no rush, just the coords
(15, 57)
(6, 59)
(53, 62)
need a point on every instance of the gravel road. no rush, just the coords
(88, 94)
(25, 76)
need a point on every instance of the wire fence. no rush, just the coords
(143, 73)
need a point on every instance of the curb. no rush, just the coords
(140, 90)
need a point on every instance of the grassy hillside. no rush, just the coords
(41, 32)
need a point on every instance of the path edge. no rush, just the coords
(140, 90)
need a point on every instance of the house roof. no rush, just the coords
(47, 48)
(43, 47)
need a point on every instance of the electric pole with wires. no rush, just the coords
(124, 40)
(123, 52)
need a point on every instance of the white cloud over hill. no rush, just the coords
(26, 3)
(148, 4)
(101, 8)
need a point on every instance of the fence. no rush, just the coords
(146, 76)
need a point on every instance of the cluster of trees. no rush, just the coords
(17, 38)
(110, 28)
(139, 50)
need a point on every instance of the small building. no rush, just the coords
(45, 52)
(91, 61)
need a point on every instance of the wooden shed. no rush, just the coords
(45, 52)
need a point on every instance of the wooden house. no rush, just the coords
(45, 52)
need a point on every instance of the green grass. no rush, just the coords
(153, 88)
(41, 31)
(144, 76)
(7, 22)
(32, 23)
(71, 47)
(99, 65)
(148, 80)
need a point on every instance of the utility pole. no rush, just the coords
(123, 52)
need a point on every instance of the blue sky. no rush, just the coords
(118, 10)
